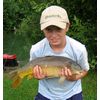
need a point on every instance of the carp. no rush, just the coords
(50, 65)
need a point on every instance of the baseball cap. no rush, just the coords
(54, 15)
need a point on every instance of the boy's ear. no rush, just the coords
(67, 27)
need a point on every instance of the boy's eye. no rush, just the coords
(50, 31)
(53, 28)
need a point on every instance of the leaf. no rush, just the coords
(58, 1)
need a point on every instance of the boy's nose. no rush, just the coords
(54, 33)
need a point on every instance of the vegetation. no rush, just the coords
(22, 18)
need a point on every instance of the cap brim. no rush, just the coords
(59, 24)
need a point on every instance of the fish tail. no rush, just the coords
(16, 78)
(16, 82)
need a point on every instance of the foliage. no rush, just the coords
(22, 17)
(86, 34)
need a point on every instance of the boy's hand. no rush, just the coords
(67, 73)
(37, 72)
(72, 77)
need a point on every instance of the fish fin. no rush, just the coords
(16, 82)
(77, 72)
(13, 74)
(29, 77)
(16, 79)
(62, 79)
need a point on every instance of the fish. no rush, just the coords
(50, 65)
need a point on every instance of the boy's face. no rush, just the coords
(55, 35)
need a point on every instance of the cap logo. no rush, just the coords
(52, 16)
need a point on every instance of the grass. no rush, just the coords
(28, 88)
(89, 85)
(26, 91)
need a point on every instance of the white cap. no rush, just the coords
(54, 15)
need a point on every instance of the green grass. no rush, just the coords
(89, 85)
(28, 88)
(26, 91)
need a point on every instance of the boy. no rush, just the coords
(55, 24)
